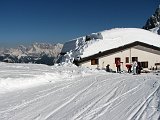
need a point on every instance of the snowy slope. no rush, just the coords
(109, 39)
(74, 93)
(156, 30)
(20, 76)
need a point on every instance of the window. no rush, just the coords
(144, 64)
(157, 64)
(94, 62)
(134, 59)
(127, 59)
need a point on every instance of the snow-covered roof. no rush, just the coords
(118, 37)
(80, 42)
(111, 39)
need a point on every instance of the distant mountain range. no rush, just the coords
(40, 53)
(153, 23)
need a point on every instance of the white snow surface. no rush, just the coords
(39, 92)
(121, 36)
(110, 39)
(156, 30)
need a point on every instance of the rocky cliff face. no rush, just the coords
(36, 53)
(153, 23)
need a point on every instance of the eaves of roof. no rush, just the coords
(114, 50)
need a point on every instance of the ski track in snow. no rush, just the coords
(70, 100)
(88, 108)
(96, 113)
(48, 91)
(77, 95)
(142, 107)
(31, 101)
(103, 95)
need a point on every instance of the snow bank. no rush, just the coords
(21, 76)
(80, 42)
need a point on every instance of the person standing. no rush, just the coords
(139, 68)
(129, 66)
(107, 68)
(118, 65)
(134, 67)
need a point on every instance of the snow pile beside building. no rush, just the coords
(106, 40)
(74, 49)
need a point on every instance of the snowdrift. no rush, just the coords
(21, 76)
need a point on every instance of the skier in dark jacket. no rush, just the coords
(107, 68)
(139, 68)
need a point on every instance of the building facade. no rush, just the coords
(147, 55)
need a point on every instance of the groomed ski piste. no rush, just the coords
(68, 92)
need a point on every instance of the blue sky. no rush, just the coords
(57, 21)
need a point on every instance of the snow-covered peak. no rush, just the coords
(43, 53)
(153, 23)
(50, 49)
(156, 30)
(22, 47)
